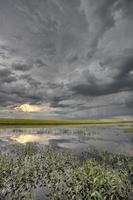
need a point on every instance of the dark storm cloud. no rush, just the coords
(129, 102)
(6, 76)
(75, 55)
(121, 82)
(126, 67)
(72, 59)
(21, 67)
(6, 51)
(100, 18)
(18, 37)
(5, 48)
(5, 72)
(96, 90)
(127, 7)
(40, 63)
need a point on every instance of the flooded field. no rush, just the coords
(78, 139)
(56, 162)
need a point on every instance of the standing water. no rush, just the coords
(78, 139)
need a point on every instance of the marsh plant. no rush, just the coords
(101, 176)
(127, 128)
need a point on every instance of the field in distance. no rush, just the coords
(43, 122)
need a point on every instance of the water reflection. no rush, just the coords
(76, 139)
(34, 138)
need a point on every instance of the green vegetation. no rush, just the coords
(101, 176)
(38, 122)
(128, 128)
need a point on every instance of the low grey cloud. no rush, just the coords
(75, 56)
(122, 80)
(21, 67)
(40, 63)
(6, 76)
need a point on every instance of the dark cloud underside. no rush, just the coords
(75, 55)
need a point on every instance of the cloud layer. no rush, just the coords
(75, 56)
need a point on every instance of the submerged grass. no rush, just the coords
(127, 128)
(101, 176)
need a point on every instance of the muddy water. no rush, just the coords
(77, 139)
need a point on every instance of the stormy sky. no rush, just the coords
(66, 58)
